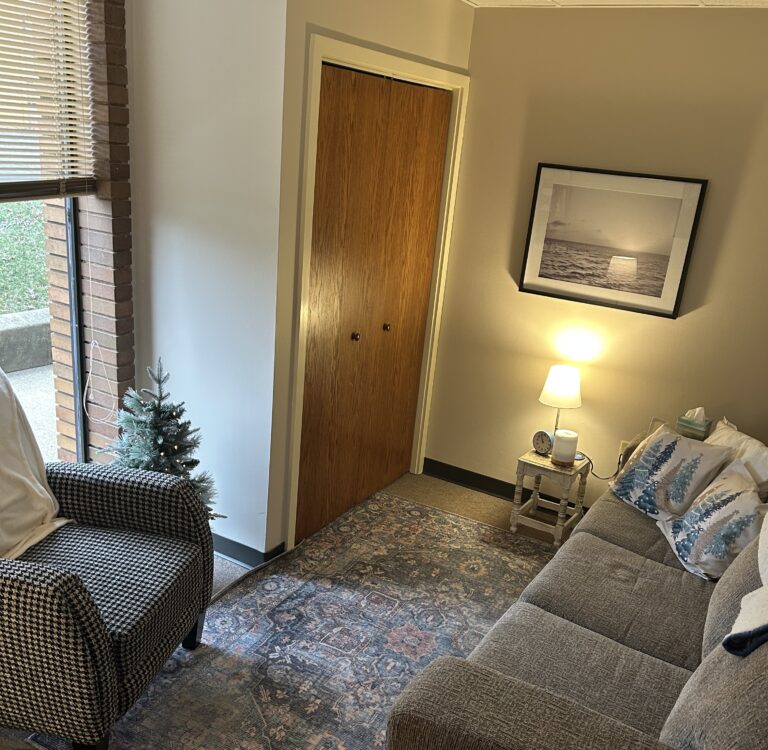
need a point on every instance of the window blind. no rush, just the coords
(46, 129)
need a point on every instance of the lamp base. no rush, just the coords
(563, 464)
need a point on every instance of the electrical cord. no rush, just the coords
(592, 468)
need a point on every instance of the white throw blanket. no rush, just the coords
(751, 627)
(27, 506)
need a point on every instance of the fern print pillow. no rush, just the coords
(666, 473)
(722, 521)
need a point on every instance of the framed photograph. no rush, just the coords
(617, 239)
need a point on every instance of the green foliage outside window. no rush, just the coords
(23, 272)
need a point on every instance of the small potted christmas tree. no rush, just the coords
(155, 436)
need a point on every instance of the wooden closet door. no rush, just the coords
(409, 207)
(351, 132)
(380, 155)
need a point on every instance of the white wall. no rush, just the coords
(206, 100)
(664, 91)
(435, 30)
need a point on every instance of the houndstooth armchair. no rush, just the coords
(90, 614)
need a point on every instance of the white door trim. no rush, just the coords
(324, 49)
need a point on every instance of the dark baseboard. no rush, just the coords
(475, 481)
(244, 554)
(470, 479)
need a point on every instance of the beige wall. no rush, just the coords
(678, 92)
(206, 99)
(438, 31)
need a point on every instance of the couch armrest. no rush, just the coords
(119, 498)
(457, 705)
(57, 673)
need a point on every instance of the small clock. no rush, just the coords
(542, 442)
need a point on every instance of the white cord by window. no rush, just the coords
(112, 413)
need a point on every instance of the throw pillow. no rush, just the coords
(751, 627)
(667, 471)
(750, 450)
(27, 506)
(722, 521)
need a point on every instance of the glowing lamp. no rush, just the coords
(562, 389)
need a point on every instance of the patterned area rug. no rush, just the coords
(310, 652)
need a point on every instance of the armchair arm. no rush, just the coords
(57, 673)
(115, 497)
(457, 705)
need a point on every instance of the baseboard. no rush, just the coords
(474, 481)
(243, 553)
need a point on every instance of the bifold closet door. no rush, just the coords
(378, 183)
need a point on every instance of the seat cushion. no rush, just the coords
(641, 603)
(145, 586)
(616, 522)
(542, 649)
(741, 578)
(723, 705)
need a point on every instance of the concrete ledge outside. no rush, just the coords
(25, 340)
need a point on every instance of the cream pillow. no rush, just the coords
(28, 508)
(750, 450)
(722, 521)
(667, 471)
(751, 627)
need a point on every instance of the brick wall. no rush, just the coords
(105, 252)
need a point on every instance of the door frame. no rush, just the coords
(326, 49)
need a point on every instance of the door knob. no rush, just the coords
(386, 327)
(355, 336)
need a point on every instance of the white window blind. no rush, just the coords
(46, 129)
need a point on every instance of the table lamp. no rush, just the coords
(562, 389)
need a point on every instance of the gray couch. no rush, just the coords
(613, 645)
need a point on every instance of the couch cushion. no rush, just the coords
(741, 578)
(724, 704)
(616, 522)
(542, 649)
(145, 586)
(643, 604)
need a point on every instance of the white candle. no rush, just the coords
(564, 447)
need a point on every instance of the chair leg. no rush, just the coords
(102, 744)
(193, 639)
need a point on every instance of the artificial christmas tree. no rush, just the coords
(155, 436)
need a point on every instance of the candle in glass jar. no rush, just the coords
(564, 447)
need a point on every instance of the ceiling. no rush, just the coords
(618, 3)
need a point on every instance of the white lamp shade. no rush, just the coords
(562, 388)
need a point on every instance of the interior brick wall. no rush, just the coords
(105, 253)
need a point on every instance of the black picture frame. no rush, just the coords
(611, 238)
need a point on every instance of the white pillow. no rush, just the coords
(750, 450)
(667, 471)
(722, 521)
(27, 506)
(751, 627)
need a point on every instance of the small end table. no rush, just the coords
(532, 464)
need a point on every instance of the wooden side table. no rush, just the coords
(532, 464)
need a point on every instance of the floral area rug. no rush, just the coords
(311, 651)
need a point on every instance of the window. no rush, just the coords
(46, 132)
(46, 151)
(37, 312)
